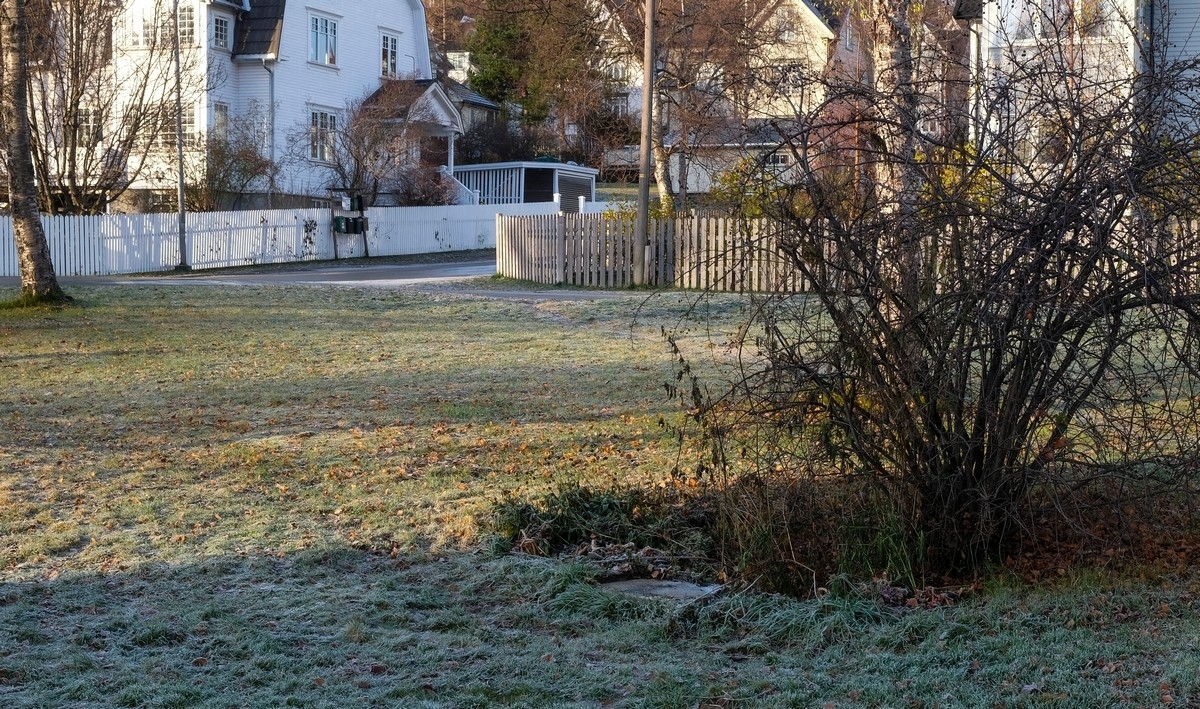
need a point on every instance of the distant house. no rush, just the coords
(812, 45)
(807, 41)
(294, 67)
(473, 107)
(1104, 44)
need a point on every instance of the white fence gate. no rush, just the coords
(111, 244)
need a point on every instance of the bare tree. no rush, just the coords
(102, 87)
(995, 332)
(378, 147)
(711, 55)
(235, 158)
(38, 281)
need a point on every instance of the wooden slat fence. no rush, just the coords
(718, 253)
(695, 251)
(218, 239)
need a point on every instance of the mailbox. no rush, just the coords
(340, 225)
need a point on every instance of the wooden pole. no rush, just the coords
(643, 205)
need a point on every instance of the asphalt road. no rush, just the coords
(382, 275)
(332, 273)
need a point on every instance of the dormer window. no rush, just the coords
(220, 32)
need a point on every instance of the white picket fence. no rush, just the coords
(111, 244)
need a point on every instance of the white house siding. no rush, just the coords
(1006, 38)
(791, 64)
(1183, 27)
(300, 85)
(1002, 34)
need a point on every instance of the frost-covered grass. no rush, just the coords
(274, 497)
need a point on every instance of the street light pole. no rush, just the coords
(640, 246)
(183, 259)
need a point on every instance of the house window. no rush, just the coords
(220, 121)
(322, 41)
(777, 160)
(1097, 18)
(138, 32)
(787, 28)
(88, 129)
(187, 25)
(617, 72)
(710, 79)
(166, 136)
(321, 136)
(220, 32)
(390, 61)
(617, 104)
(792, 79)
(166, 28)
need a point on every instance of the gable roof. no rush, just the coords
(421, 100)
(460, 93)
(968, 10)
(258, 30)
(824, 11)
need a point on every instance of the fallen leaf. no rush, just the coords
(548, 657)
(200, 662)
(320, 681)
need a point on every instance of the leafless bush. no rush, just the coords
(997, 329)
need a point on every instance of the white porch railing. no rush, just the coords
(463, 194)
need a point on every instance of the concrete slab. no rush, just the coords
(654, 588)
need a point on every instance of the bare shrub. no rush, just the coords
(997, 329)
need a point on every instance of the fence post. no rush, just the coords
(560, 250)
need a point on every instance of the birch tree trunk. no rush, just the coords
(662, 159)
(38, 282)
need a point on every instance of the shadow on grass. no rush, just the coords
(333, 628)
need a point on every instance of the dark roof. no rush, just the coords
(258, 31)
(396, 96)
(968, 10)
(752, 133)
(826, 10)
(459, 93)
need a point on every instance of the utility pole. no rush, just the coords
(641, 244)
(183, 259)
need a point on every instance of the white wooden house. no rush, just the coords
(295, 66)
(1020, 48)
(805, 41)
